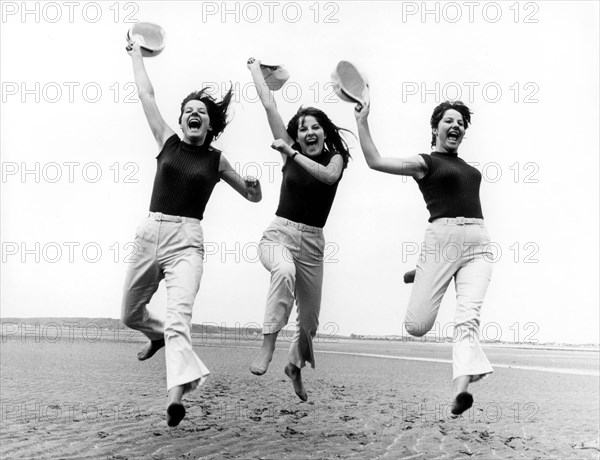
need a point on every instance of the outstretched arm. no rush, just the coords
(268, 101)
(159, 127)
(249, 189)
(413, 166)
(328, 174)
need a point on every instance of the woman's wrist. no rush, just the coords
(293, 154)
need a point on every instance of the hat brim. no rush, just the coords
(151, 36)
(350, 84)
(275, 76)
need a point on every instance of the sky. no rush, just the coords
(78, 158)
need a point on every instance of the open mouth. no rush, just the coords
(194, 123)
(312, 142)
(453, 136)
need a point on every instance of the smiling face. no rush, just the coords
(311, 136)
(195, 122)
(449, 132)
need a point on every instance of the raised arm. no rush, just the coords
(413, 166)
(159, 127)
(328, 174)
(268, 101)
(249, 189)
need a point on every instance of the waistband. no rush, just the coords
(159, 216)
(299, 226)
(458, 221)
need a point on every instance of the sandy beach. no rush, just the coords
(77, 399)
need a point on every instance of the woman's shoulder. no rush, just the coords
(173, 139)
(172, 143)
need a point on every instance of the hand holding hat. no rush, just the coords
(275, 75)
(149, 37)
(362, 110)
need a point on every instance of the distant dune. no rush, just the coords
(10, 326)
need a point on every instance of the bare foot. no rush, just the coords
(175, 414)
(462, 403)
(149, 350)
(175, 409)
(261, 363)
(293, 373)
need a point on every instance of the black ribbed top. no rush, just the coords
(450, 187)
(303, 198)
(185, 178)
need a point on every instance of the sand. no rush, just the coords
(77, 399)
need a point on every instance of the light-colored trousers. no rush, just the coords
(293, 254)
(169, 248)
(456, 247)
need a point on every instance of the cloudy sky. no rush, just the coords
(78, 157)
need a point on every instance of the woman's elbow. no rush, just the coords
(331, 179)
(254, 196)
(374, 164)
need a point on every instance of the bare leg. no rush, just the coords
(293, 372)
(175, 409)
(463, 400)
(149, 350)
(261, 363)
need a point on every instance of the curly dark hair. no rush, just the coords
(333, 138)
(438, 114)
(217, 111)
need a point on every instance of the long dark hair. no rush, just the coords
(438, 114)
(333, 138)
(217, 111)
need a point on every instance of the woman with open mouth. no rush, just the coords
(170, 240)
(291, 249)
(456, 240)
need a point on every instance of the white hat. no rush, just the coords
(350, 84)
(150, 36)
(275, 75)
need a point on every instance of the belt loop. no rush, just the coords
(460, 221)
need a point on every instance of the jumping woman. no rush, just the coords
(314, 156)
(456, 240)
(170, 240)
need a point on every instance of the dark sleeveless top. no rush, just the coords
(303, 198)
(450, 187)
(185, 177)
